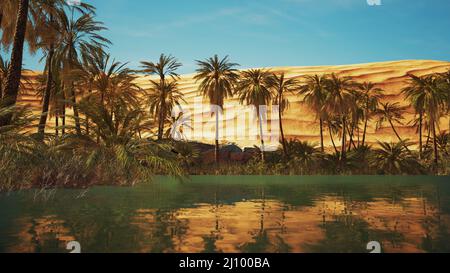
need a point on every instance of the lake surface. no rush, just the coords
(234, 214)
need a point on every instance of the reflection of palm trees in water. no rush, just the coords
(436, 237)
(210, 241)
(167, 228)
(261, 241)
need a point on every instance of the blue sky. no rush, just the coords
(261, 33)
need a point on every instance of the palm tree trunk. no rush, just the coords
(87, 118)
(321, 136)
(75, 110)
(161, 122)
(63, 118)
(1, 18)
(74, 95)
(351, 134)
(283, 139)
(420, 135)
(56, 125)
(365, 131)
(436, 153)
(216, 149)
(344, 137)
(358, 132)
(398, 136)
(15, 68)
(46, 101)
(332, 139)
(428, 138)
(262, 138)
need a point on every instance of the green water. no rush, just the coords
(234, 214)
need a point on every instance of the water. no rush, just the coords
(234, 214)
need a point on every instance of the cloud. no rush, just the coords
(258, 15)
(198, 19)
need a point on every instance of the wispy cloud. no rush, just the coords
(258, 16)
(198, 19)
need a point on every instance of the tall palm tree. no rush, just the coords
(162, 97)
(50, 37)
(78, 35)
(428, 96)
(100, 74)
(340, 102)
(11, 88)
(415, 92)
(281, 86)
(165, 67)
(254, 89)
(48, 45)
(314, 91)
(434, 102)
(218, 78)
(391, 113)
(356, 117)
(446, 89)
(371, 96)
(27, 27)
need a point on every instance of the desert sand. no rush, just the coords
(299, 122)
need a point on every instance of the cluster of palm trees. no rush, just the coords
(347, 107)
(342, 105)
(108, 117)
(109, 113)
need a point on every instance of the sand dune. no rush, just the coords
(299, 121)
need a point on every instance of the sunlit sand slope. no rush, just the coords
(299, 122)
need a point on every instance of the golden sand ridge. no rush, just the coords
(299, 121)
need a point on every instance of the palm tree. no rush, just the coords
(48, 45)
(446, 89)
(15, 70)
(218, 78)
(427, 96)
(371, 96)
(162, 97)
(281, 85)
(254, 89)
(391, 113)
(395, 159)
(100, 75)
(124, 155)
(27, 26)
(314, 91)
(340, 102)
(165, 67)
(79, 36)
(50, 38)
(415, 92)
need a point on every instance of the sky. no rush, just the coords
(266, 33)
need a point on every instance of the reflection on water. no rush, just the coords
(222, 215)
